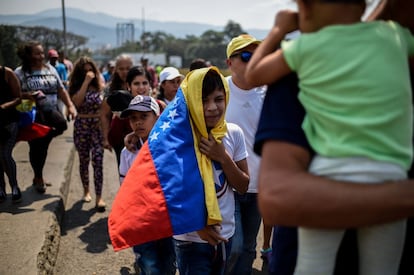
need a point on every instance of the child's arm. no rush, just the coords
(236, 172)
(267, 64)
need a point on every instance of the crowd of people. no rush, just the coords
(315, 151)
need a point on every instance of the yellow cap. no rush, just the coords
(240, 42)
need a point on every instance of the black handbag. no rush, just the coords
(48, 114)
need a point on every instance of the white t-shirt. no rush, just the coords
(125, 162)
(47, 80)
(244, 109)
(236, 147)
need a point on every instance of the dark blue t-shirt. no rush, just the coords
(282, 115)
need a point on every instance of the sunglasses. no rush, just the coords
(244, 56)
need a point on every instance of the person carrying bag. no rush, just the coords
(41, 82)
(48, 113)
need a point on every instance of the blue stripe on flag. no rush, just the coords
(171, 144)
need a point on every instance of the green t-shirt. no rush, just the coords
(355, 86)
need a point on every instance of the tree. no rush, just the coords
(232, 29)
(51, 38)
(8, 46)
(12, 36)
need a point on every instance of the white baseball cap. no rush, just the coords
(169, 73)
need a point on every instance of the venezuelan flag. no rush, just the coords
(169, 189)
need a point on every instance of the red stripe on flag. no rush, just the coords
(139, 213)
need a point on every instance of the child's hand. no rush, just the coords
(211, 234)
(287, 21)
(211, 148)
(130, 140)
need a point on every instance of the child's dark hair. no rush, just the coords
(198, 63)
(137, 71)
(212, 81)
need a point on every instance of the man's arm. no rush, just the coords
(289, 195)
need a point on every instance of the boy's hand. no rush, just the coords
(211, 234)
(211, 148)
(287, 21)
(130, 140)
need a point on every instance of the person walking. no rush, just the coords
(10, 97)
(245, 104)
(170, 80)
(116, 99)
(154, 257)
(212, 155)
(42, 81)
(85, 88)
(351, 116)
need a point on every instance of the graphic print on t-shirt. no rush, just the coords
(47, 83)
(220, 181)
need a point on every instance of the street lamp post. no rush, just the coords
(64, 27)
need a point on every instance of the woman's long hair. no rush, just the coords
(78, 75)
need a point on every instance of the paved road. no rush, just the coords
(85, 246)
(29, 231)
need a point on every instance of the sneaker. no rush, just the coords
(266, 254)
(16, 195)
(3, 196)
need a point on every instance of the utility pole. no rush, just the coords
(64, 27)
(143, 44)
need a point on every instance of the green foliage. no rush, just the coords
(232, 29)
(8, 46)
(13, 36)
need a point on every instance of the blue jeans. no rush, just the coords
(156, 257)
(284, 250)
(201, 258)
(248, 219)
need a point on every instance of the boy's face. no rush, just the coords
(142, 123)
(214, 106)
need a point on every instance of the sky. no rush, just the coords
(249, 14)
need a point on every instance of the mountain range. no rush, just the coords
(101, 28)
